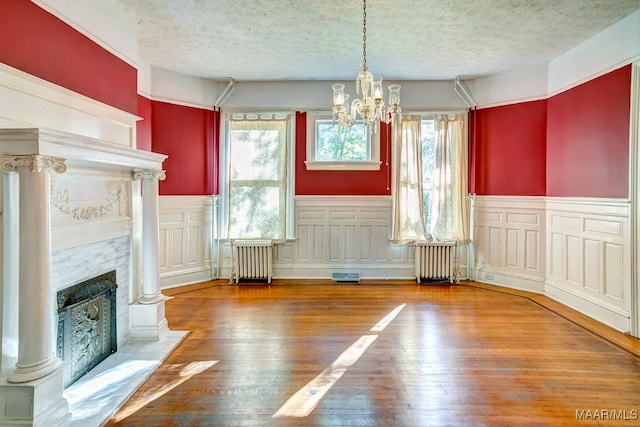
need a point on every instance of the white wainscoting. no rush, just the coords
(509, 241)
(343, 234)
(589, 257)
(574, 250)
(185, 240)
(340, 234)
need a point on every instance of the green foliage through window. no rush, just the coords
(340, 145)
(257, 174)
(428, 162)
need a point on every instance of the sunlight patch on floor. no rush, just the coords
(379, 327)
(184, 373)
(304, 401)
(94, 397)
(307, 398)
(88, 398)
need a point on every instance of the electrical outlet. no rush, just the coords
(488, 276)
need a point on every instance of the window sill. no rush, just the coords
(356, 166)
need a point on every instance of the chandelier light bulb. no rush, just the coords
(338, 94)
(377, 89)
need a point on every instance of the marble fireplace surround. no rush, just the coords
(67, 198)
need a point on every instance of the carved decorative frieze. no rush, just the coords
(35, 163)
(149, 173)
(60, 199)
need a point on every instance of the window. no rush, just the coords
(328, 147)
(430, 178)
(444, 176)
(258, 191)
(428, 143)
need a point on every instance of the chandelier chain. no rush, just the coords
(364, 35)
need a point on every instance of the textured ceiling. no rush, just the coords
(322, 39)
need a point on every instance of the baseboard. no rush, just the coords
(325, 271)
(185, 278)
(523, 283)
(610, 316)
(301, 272)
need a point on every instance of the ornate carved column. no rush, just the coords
(147, 316)
(150, 224)
(36, 312)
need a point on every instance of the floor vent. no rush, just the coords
(346, 277)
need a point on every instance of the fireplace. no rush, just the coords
(79, 200)
(86, 325)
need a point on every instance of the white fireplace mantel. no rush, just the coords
(74, 148)
(63, 191)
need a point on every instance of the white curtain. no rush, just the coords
(449, 204)
(408, 211)
(448, 207)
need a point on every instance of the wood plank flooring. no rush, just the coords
(453, 355)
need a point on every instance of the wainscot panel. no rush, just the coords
(589, 257)
(343, 234)
(185, 240)
(509, 241)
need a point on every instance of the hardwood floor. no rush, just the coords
(453, 355)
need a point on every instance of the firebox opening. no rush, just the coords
(86, 325)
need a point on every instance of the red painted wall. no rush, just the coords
(143, 127)
(186, 135)
(213, 134)
(352, 183)
(508, 149)
(574, 144)
(471, 161)
(36, 42)
(588, 138)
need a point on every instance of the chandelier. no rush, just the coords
(371, 107)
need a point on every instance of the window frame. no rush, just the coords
(373, 163)
(225, 169)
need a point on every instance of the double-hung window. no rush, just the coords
(259, 186)
(329, 147)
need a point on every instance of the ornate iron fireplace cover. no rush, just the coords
(86, 325)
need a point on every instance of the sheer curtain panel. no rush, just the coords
(449, 204)
(408, 212)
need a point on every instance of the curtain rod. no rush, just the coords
(428, 112)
